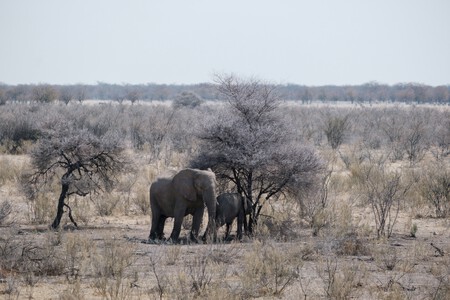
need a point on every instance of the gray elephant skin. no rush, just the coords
(229, 207)
(186, 193)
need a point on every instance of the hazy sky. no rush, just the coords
(286, 41)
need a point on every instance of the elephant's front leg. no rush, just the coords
(180, 211)
(197, 219)
(160, 229)
(227, 232)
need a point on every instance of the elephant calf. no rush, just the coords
(229, 207)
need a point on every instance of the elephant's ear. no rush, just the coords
(184, 184)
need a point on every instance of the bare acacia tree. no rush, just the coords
(88, 163)
(250, 146)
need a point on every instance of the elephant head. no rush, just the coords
(194, 184)
(193, 189)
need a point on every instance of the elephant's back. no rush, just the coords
(161, 185)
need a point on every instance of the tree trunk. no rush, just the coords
(60, 210)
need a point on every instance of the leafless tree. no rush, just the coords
(393, 127)
(44, 93)
(65, 94)
(251, 147)
(384, 192)
(80, 93)
(132, 96)
(416, 137)
(88, 163)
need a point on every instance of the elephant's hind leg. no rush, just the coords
(227, 232)
(155, 226)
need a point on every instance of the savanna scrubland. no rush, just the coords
(370, 221)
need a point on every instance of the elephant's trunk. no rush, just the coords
(209, 197)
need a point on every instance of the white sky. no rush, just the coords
(312, 42)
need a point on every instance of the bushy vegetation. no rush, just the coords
(355, 231)
(411, 93)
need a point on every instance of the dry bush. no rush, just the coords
(17, 129)
(141, 199)
(397, 269)
(11, 289)
(172, 253)
(335, 129)
(82, 209)
(41, 201)
(41, 209)
(111, 266)
(162, 279)
(200, 278)
(267, 270)
(5, 210)
(224, 253)
(386, 258)
(314, 204)
(435, 188)
(384, 192)
(125, 187)
(342, 235)
(341, 281)
(279, 221)
(9, 171)
(53, 262)
(353, 245)
(441, 272)
(76, 251)
(105, 204)
(200, 274)
(31, 259)
(112, 257)
(9, 248)
(73, 292)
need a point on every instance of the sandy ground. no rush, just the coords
(415, 272)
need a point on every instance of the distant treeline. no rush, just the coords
(369, 92)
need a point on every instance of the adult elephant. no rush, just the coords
(229, 207)
(186, 193)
